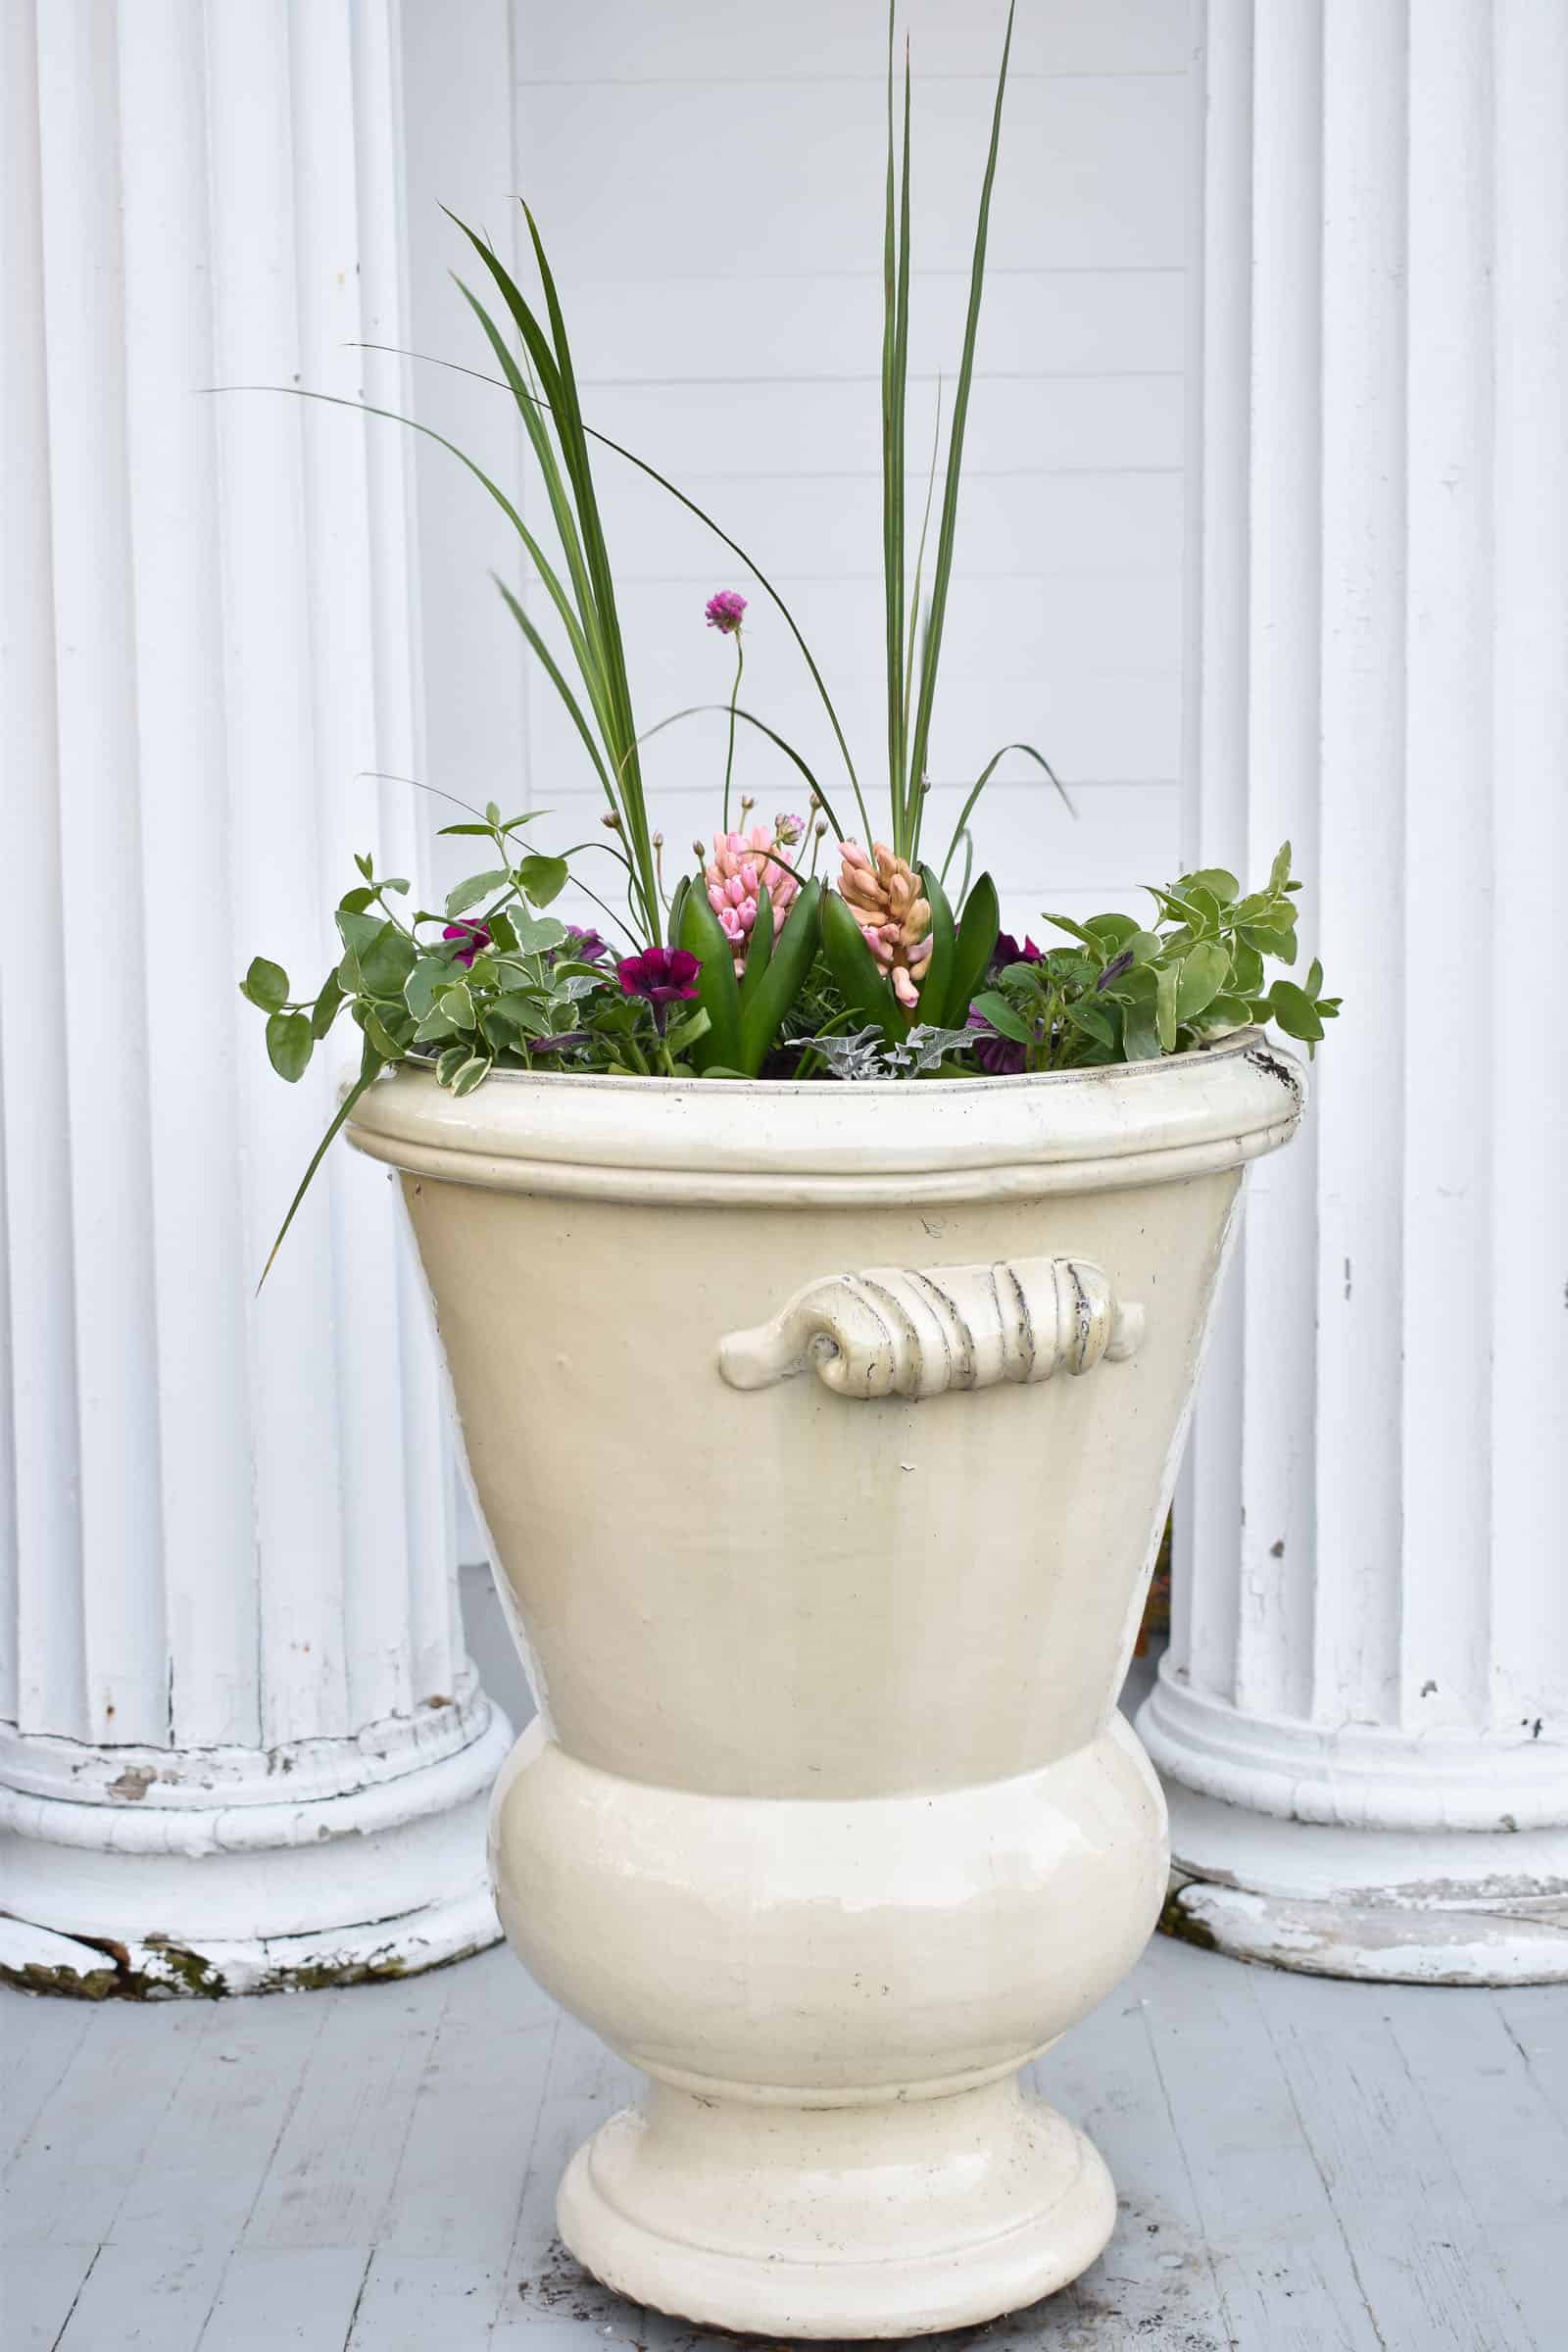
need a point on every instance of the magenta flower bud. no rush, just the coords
(726, 611)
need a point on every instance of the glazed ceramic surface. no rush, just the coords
(825, 1435)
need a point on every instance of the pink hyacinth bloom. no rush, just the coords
(736, 874)
(724, 612)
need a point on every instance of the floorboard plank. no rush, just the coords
(39, 2039)
(145, 2299)
(1506, 2143)
(1286, 2281)
(71, 2175)
(458, 2184)
(37, 2292)
(332, 2174)
(1537, 2019)
(286, 2299)
(1154, 2283)
(426, 2303)
(542, 2287)
(1430, 2274)
(201, 2174)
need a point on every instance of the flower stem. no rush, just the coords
(735, 696)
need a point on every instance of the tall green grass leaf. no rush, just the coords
(948, 528)
(984, 778)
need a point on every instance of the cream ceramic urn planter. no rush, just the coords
(825, 1434)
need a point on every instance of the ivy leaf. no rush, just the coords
(478, 886)
(473, 1072)
(537, 936)
(1167, 978)
(449, 1064)
(1295, 1011)
(379, 1036)
(327, 1006)
(1279, 874)
(289, 1044)
(1202, 974)
(1095, 1020)
(1000, 1013)
(688, 1032)
(387, 961)
(458, 1007)
(1215, 880)
(432, 1025)
(266, 985)
(543, 878)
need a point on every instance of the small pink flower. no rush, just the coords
(474, 936)
(736, 874)
(724, 612)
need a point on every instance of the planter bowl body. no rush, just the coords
(824, 1435)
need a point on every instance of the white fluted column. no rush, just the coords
(1362, 1719)
(243, 1743)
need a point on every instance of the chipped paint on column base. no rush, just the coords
(146, 1899)
(37, 1960)
(1439, 1907)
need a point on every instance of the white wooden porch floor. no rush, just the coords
(1303, 2167)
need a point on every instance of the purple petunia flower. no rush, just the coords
(1001, 1056)
(660, 974)
(584, 947)
(1007, 951)
(724, 612)
(476, 935)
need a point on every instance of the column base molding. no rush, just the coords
(1445, 1907)
(135, 1899)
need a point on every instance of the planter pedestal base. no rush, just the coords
(892, 2219)
(1393, 1907)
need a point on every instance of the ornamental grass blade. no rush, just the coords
(895, 394)
(984, 778)
(710, 522)
(946, 530)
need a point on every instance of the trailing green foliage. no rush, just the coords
(1125, 992)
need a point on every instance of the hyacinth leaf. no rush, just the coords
(781, 979)
(937, 983)
(677, 900)
(978, 927)
(759, 948)
(861, 981)
(718, 990)
(947, 529)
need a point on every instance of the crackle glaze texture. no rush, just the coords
(828, 1821)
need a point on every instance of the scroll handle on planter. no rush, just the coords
(896, 1331)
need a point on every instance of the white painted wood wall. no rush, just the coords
(708, 180)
